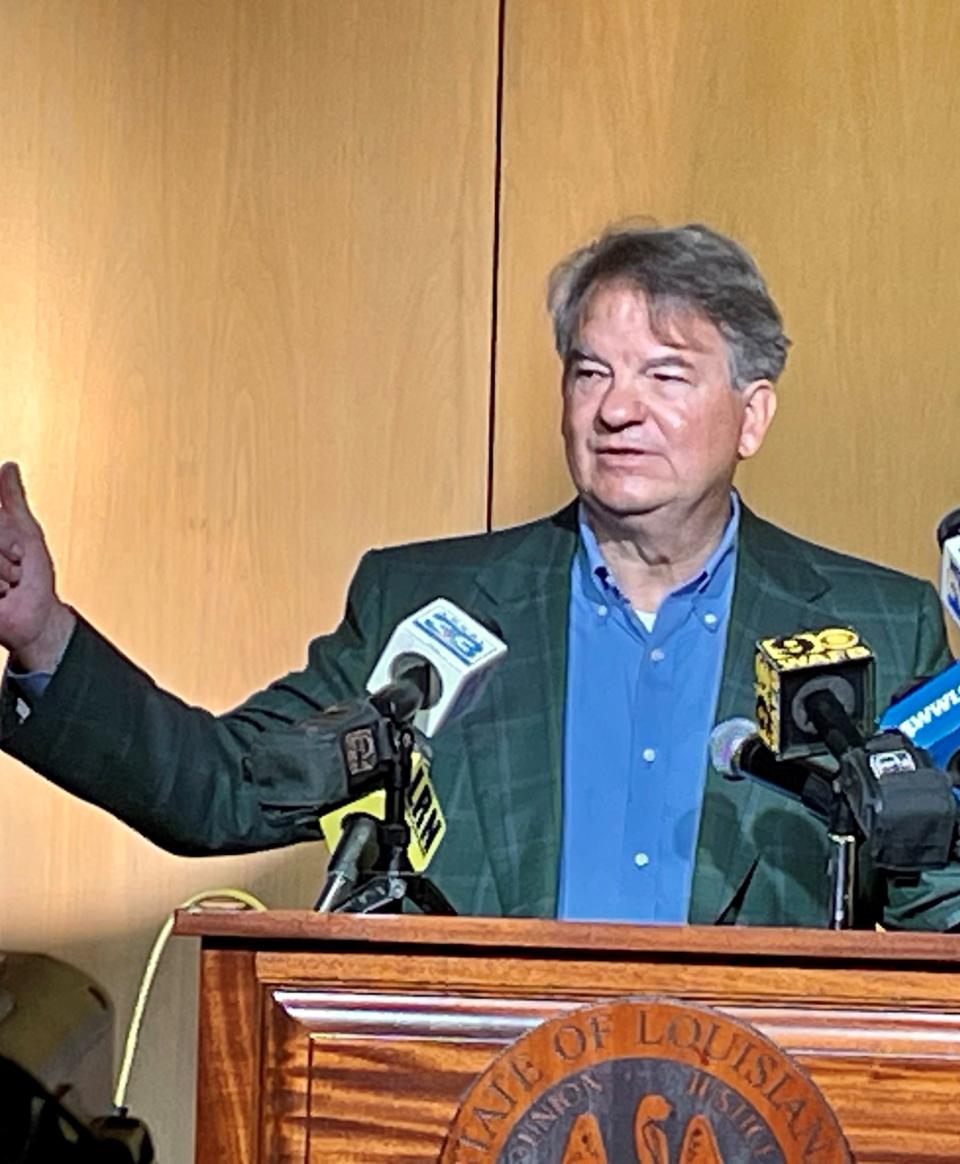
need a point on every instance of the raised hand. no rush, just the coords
(35, 626)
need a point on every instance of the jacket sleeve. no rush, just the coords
(104, 731)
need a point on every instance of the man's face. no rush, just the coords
(654, 422)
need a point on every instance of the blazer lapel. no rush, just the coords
(773, 590)
(516, 747)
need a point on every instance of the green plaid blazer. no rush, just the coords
(105, 732)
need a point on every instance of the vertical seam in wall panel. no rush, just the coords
(494, 297)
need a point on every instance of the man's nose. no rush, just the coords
(624, 403)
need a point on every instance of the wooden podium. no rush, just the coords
(352, 1039)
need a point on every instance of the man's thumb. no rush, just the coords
(12, 496)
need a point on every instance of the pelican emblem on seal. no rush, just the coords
(585, 1144)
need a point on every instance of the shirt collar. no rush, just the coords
(711, 580)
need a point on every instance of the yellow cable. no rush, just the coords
(149, 973)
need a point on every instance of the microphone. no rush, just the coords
(422, 812)
(415, 685)
(351, 858)
(737, 752)
(929, 714)
(906, 811)
(442, 653)
(948, 539)
(801, 677)
(433, 667)
(328, 758)
(815, 695)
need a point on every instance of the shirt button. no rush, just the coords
(649, 755)
(602, 611)
(657, 655)
(640, 859)
(710, 619)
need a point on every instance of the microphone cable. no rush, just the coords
(149, 973)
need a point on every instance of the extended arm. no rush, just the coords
(104, 731)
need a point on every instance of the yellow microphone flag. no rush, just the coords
(423, 815)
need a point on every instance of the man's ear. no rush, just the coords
(759, 408)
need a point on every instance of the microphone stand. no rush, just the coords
(887, 795)
(842, 866)
(393, 881)
(837, 732)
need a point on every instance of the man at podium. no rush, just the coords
(578, 785)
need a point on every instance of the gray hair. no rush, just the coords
(678, 270)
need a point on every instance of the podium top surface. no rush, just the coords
(537, 937)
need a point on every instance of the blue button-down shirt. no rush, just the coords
(639, 709)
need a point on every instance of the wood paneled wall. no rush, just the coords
(246, 268)
(823, 135)
(245, 274)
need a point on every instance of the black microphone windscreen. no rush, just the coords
(949, 527)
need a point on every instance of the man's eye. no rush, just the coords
(671, 376)
(588, 373)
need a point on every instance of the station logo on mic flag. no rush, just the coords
(453, 634)
(789, 665)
